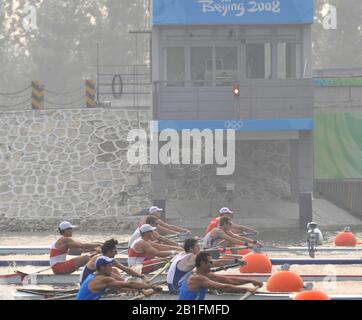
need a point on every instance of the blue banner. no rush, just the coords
(239, 125)
(218, 12)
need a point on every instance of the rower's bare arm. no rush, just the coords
(164, 231)
(205, 282)
(153, 251)
(79, 245)
(241, 238)
(163, 247)
(233, 280)
(171, 226)
(130, 285)
(127, 270)
(241, 228)
(225, 236)
(222, 262)
(165, 240)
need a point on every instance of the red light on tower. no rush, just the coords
(236, 90)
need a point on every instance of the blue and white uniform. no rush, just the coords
(174, 275)
(85, 273)
(84, 292)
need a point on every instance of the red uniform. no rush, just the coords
(212, 225)
(58, 262)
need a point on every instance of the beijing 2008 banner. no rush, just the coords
(211, 12)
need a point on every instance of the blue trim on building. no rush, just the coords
(255, 125)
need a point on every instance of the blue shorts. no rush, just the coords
(172, 290)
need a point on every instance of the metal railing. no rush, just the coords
(124, 85)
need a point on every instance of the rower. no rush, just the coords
(184, 262)
(153, 221)
(143, 250)
(223, 236)
(109, 249)
(226, 212)
(194, 286)
(59, 250)
(96, 284)
(163, 227)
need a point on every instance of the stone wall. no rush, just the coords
(70, 164)
(262, 172)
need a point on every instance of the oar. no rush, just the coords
(62, 297)
(221, 249)
(160, 272)
(29, 275)
(246, 296)
(234, 265)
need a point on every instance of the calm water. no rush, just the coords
(275, 237)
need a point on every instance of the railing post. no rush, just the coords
(37, 95)
(90, 93)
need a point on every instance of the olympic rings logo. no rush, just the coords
(233, 124)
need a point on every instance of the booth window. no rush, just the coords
(175, 66)
(201, 66)
(226, 66)
(287, 60)
(258, 60)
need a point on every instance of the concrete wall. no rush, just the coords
(262, 173)
(70, 164)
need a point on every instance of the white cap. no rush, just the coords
(66, 225)
(146, 228)
(154, 210)
(225, 210)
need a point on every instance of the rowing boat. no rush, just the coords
(39, 279)
(12, 250)
(73, 279)
(166, 296)
(38, 250)
(274, 261)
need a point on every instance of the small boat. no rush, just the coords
(19, 278)
(274, 261)
(73, 279)
(39, 250)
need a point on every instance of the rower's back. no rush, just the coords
(187, 294)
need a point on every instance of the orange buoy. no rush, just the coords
(345, 239)
(311, 295)
(284, 281)
(256, 263)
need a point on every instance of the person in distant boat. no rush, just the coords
(184, 262)
(162, 227)
(144, 251)
(194, 286)
(223, 236)
(153, 221)
(97, 284)
(226, 212)
(109, 249)
(59, 250)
